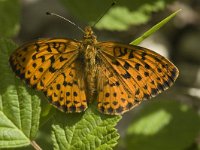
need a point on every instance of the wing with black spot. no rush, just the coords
(113, 98)
(51, 66)
(137, 71)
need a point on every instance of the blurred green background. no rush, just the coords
(171, 120)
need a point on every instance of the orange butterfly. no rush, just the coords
(72, 73)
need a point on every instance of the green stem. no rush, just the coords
(154, 28)
(35, 145)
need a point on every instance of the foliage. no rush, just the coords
(153, 29)
(90, 130)
(20, 107)
(27, 120)
(9, 17)
(120, 17)
(164, 124)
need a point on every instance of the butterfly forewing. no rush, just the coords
(138, 72)
(51, 65)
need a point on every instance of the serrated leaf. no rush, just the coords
(154, 28)
(163, 125)
(20, 108)
(90, 130)
(119, 17)
(9, 17)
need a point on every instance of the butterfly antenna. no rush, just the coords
(104, 13)
(54, 14)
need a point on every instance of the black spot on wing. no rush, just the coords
(126, 75)
(131, 55)
(126, 65)
(137, 66)
(107, 95)
(120, 109)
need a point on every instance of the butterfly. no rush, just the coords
(74, 73)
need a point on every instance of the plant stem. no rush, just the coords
(35, 145)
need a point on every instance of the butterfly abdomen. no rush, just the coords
(90, 52)
(90, 70)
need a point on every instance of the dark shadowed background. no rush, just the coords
(169, 121)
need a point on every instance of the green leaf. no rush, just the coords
(154, 28)
(90, 130)
(120, 17)
(9, 17)
(163, 125)
(19, 107)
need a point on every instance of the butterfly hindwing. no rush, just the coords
(51, 65)
(140, 72)
(113, 97)
(67, 91)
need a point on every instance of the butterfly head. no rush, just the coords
(89, 37)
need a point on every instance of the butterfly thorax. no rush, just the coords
(89, 37)
(90, 53)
